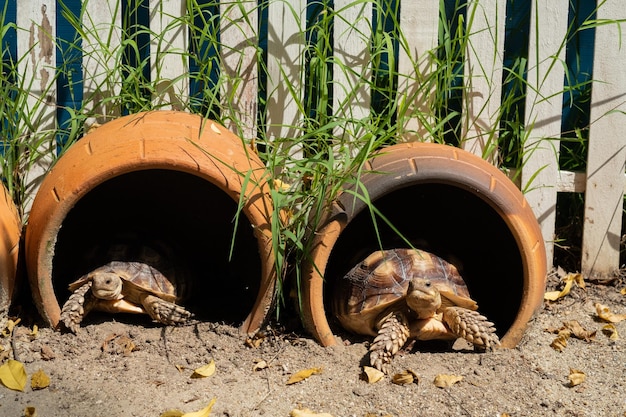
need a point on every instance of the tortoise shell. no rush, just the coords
(150, 268)
(378, 285)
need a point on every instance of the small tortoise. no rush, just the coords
(399, 294)
(147, 284)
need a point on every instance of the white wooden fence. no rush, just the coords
(603, 183)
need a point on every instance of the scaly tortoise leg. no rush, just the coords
(76, 307)
(471, 326)
(392, 335)
(164, 311)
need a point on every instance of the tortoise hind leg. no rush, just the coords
(471, 326)
(164, 311)
(392, 335)
(76, 307)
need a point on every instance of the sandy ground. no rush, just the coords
(127, 366)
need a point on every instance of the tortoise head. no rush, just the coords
(106, 285)
(423, 297)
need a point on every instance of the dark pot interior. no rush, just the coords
(185, 212)
(450, 222)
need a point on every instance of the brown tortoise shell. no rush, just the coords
(146, 267)
(379, 284)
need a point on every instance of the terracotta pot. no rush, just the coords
(161, 175)
(9, 249)
(446, 201)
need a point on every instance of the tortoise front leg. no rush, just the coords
(471, 326)
(164, 311)
(392, 335)
(76, 307)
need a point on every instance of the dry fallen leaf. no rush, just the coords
(611, 331)
(569, 280)
(575, 377)
(623, 291)
(372, 375)
(560, 342)
(39, 380)
(605, 314)
(117, 343)
(444, 381)
(570, 328)
(204, 371)
(302, 375)
(256, 340)
(405, 378)
(13, 375)
(259, 364)
(30, 412)
(6, 332)
(200, 413)
(305, 412)
(578, 331)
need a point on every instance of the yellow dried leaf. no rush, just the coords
(578, 331)
(576, 377)
(405, 378)
(6, 332)
(255, 341)
(200, 413)
(569, 279)
(204, 371)
(611, 331)
(605, 314)
(305, 412)
(560, 342)
(30, 412)
(172, 413)
(39, 380)
(259, 365)
(302, 375)
(13, 375)
(623, 291)
(444, 381)
(372, 375)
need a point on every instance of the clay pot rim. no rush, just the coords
(48, 214)
(510, 205)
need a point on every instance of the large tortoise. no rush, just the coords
(138, 279)
(399, 294)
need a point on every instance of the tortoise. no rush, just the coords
(401, 294)
(138, 279)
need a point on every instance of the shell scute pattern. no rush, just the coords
(399, 294)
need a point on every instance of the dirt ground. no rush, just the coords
(126, 366)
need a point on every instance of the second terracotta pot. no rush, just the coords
(444, 200)
(10, 231)
(161, 175)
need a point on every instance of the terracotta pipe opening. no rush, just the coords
(187, 213)
(167, 177)
(448, 202)
(448, 221)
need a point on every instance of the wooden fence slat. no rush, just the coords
(419, 24)
(546, 53)
(239, 28)
(483, 76)
(285, 52)
(102, 22)
(607, 147)
(352, 70)
(38, 41)
(168, 53)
